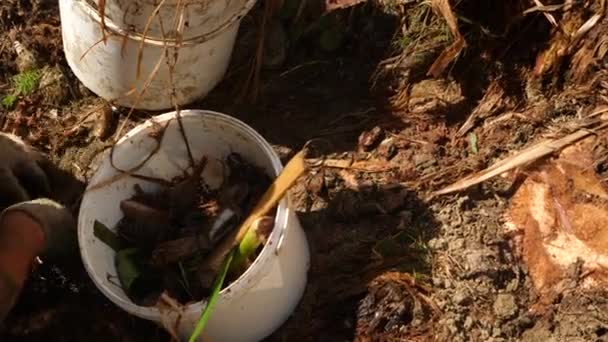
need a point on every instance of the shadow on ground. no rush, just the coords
(316, 93)
(357, 237)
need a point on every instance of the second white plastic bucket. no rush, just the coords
(110, 68)
(259, 301)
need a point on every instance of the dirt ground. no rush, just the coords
(390, 262)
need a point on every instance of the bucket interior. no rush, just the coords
(210, 134)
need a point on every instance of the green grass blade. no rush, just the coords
(215, 293)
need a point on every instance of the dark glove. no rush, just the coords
(28, 181)
(21, 177)
(56, 222)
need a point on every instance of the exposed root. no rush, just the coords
(397, 306)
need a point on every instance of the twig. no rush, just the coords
(586, 27)
(102, 14)
(369, 166)
(505, 117)
(599, 111)
(544, 8)
(143, 38)
(549, 16)
(131, 172)
(101, 40)
(532, 153)
(84, 118)
(171, 67)
(300, 66)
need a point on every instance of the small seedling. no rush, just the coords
(26, 82)
(9, 101)
(23, 84)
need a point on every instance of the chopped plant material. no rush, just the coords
(164, 236)
(473, 142)
(253, 232)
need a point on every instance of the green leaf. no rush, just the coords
(103, 233)
(137, 279)
(217, 286)
(128, 267)
(473, 142)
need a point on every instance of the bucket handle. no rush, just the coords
(286, 230)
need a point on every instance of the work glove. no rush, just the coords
(29, 183)
(57, 224)
(21, 177)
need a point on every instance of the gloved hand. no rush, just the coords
(57, 224)
(21, 177)
(28, 181)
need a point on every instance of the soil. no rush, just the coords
(390, 262)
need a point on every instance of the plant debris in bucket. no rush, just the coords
(164, 236)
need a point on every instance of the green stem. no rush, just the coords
(217, 286)
(245, 249)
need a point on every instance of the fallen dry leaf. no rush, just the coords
(493, 101)
(452, 51)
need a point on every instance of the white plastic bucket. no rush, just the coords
(265, 295)
(109, 68)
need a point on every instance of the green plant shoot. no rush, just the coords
(215, 293)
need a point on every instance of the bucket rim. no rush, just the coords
(115, 29)
(254, 272)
